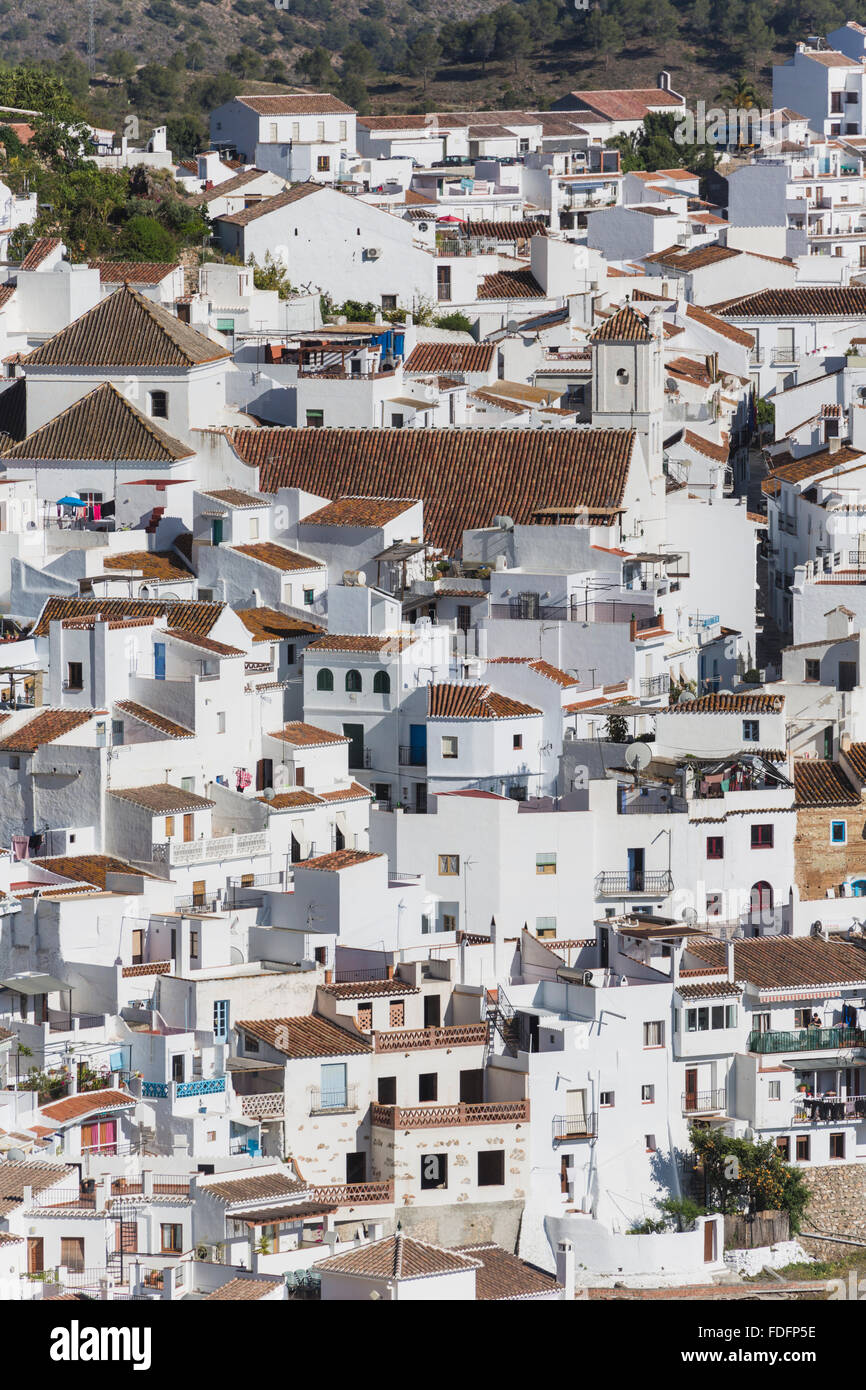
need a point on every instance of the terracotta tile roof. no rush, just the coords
(6, 293)
(297, 104)
(625, 104)
(87, 868)
(359, 511)
(806, 301)
(776, 962)
(290, 801)
(154, 720)
(45, 727)
(233, 497)
(831, 59)
(136, 272)
(713, 989)
(702, 256)
(719, 452)
(304, 735)
(718, 325)
(102, 425)
(242, 1290)
(355, 792)
(13, 409)
(348, 642)
(207, 644)
(251, 1187)
(339, 859)
(279, 557)
(89, 1103)
(162, 799)
(369, 989)
(543, 668)
(151, 564)
(729, 704)
(464, 476)
(820, 783)
(14, 1177)
(269, 205)
(451, 357)
(232, 185)
(399, 1257)
(190, 615)
(307, 1036)
(126, 330)
(41, 248)
(798, 470)
(510, 284)
(504, 1276)
(689, 369)
(473, 702)
(856, 755)
(267, 624)
(627, 326)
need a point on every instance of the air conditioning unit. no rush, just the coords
(588, 977)
(373, 253)
(423, 226)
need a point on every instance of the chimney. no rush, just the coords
(833, 445)
(729, 959)
(390, 970)
(565, 1267)
(329, 977)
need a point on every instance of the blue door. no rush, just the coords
(635, 870)
(418, 744)
(159, 660)
(333, 1086)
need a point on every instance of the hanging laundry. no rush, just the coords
(244, 779)
(20, 846)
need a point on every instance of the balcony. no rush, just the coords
(618, 884)
(649, 801)
(575, 1126)
(353, 1193)
(807, 1040)
(264, 1105)
(828, 1110)
(655, 685)
(704, 1102)
(197, 903)
(786, 357)
(411, 1039)
(206, 1086)
(412, 757)
(212, 849)
(333, 1102)
(756, 356)
(496, 1112)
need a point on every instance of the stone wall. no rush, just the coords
(472, 1223)
(818, 864)
(837, 1207)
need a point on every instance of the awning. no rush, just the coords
(32, 982)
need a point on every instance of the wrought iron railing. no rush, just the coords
(817, 1110)
(325, 1102)
(615, 884)
(807, 1040)
(575, 1126)
(412, 757)
(704, 1102)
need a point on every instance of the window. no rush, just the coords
(344, 130)
(365, 1017)
(606, 1099)
(193, 943)
(837, 1145)
(353, 681)
(774, 1091)
(838, 832)
(117, 727)
(397, 1014)
(428, 1086)
(545, 927)
(323, 163)
(714, 905)
(449, 921)
(803, 1148)
(72, 1253)
(434, 1170)
(221, 1019)
(74, 675)
(715, 847)
(491, 1168)
(622, 377)
(650, 1141)
(654, 1034)
(443, 282)
(296, 130)
(802, 1018)
(315, 419)
(449, 864)
(517, 741)
(762, 837)
(751, 730)
(813, 669)
(647, 1095)
(159, 405)
(389, 301)
(545, 863)
(251, 1043)
(320, 130)
(449, 747)
(170, 1238)
(187, 784)
(309, 596)
(177, 1067)
(783, 1144)
(386, 1093)
(221, 721)
(381, 683)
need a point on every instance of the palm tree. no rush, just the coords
(741, 92)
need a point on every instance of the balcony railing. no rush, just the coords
(411, 1039)
(206, 1086)
(655, 685)
(197, 902)
(807, 1040)
(704, 1102)
(412, 757)
(640, 801)
(786, 356)
(618, 884)
(211, 849)
(756, 356)
(495, 1112)
(826, 1110)
(264, 1105)
(575, 1126)
(373, 972)
(354, 1193)
(332, 1102)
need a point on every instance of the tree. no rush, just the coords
(747, 1175)
(121, 63)
(512, 35)
(273, 275)
(357, 60)
(482, 40)
(186, 135)
(616, 728)
(353, 91)
(316, 67)
(455, 322)
(603, 34)
(145, 239)
(423, 55)
(757, 41)
(740, 92)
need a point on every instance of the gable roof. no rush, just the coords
(45, 727)
(719, 325)
(359, 511)
(776, 962)
(510, 284)
(450, 357)
(537, 664)
(304, 735)
(162, 799)
(627, 326)
(136, 272)
(504, 1276)
(41, 248)
(188, 614)
(297, 104)
(268, 205)
(626, 103)
(822, 783)
(102, 425)
(232, 185)
(465, 477)
(240, 1290)
(473, 702)
(307, 1036)
(802, 301)
(126, 330)
(399, 1257)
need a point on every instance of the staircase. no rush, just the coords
(153, 523)
(500, 1017)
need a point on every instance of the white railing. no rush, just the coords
(265, 1105)
(219, 847)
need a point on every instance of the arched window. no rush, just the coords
(353, 680)
(325, 679)
(382, 683)
(761, 904)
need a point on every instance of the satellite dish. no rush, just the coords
(685, 697)
(724, 692)
(16, 1156)
(690, 916)
(638, 756)
(512, 326)
(268, 793)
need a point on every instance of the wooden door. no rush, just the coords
(691, 1088)
(198, 892)
(709, 1242)
(187, 828)
(35, 1254)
